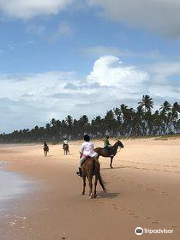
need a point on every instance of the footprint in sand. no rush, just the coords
(150, 189)
(174, 226)
(165, 193)
(115, 206)
(155, 222)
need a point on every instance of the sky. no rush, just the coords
(76, 57)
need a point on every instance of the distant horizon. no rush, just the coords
(89, 117)
(164, 120)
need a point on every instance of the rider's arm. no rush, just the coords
(82, 150)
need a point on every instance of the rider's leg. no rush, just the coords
(110, 151)
(82, 160)
(108, 148)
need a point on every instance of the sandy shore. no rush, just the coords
(143, 191)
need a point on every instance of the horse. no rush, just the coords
(46, 150)
(90, 168)
(66, 149)
(111, 153)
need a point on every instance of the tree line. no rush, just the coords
(120, 121)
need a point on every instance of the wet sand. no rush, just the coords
(143, 191)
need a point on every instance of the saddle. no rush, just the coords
(109, 150)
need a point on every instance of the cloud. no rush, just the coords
(27, 9)
(34, 99)
(158, 16)
(109, 71)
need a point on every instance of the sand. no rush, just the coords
(143, 191)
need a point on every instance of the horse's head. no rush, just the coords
(120, 144)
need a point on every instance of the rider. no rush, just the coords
(46, 146)
(87, 150)
(65, 142)
(107, 145)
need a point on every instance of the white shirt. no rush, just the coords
(65, 142)
(87, 149)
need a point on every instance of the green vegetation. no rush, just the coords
(122, 121)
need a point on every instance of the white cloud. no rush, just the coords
(163, 81)
(108, 71)
(160, 16)
(36, 98)
(27, 9)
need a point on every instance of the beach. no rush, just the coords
(142, 191)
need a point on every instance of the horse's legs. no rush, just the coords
(95, 185)
(111, 162)
(84, 185)
(90, 186)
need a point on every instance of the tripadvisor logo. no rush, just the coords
(139, 231)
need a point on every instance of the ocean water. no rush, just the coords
(11, 186)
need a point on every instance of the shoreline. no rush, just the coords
(13, 186)
(143, 191)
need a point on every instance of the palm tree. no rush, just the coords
(123, 120)
(146, 103)
(165, 116)
(175, 114)
(165, 107)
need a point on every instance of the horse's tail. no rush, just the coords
(102, 182)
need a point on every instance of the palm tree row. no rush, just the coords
(120, 121)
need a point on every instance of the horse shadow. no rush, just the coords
(108, 168)
(108, 195)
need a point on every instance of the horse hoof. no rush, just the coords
(83, 193)
(91, 195)
(111, 167)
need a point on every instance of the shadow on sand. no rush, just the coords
(108, 195)
(108, 168)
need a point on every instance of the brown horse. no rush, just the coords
(111, 153)
(91, 168)
(66, 149)
(46, 150)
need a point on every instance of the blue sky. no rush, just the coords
(60, 57)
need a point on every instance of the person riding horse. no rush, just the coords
(65, 142)
(107, 144)
(65, 146)
(87, 150)
(45, 148)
